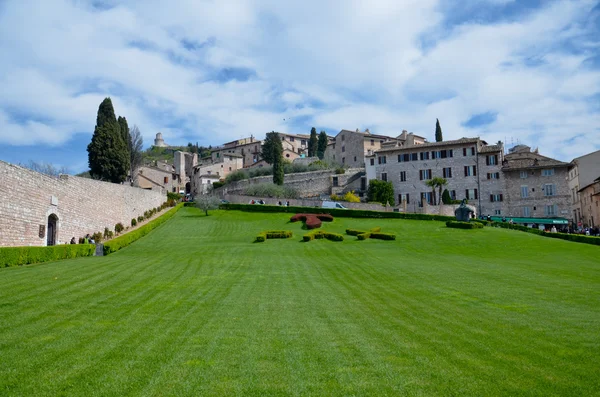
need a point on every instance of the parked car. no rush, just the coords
(332, 204)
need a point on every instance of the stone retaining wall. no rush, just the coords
(81, 206)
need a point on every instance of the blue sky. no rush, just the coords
(212, 71)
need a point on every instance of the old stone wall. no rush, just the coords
(81, 205)
(308, 184)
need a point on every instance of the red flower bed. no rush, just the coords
(312, 221)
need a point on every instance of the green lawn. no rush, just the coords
(195, 308)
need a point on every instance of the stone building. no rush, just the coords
(349, 148)
(158, 175)
(248, 148)
(208, 171)
(159, 141)
(470, 166)
(534, 185)
(590, 204)
(583, 171)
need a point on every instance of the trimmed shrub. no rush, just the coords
(18, 256)
(126, 239)
(363, 236)
(383, 236)
(340, 171)
(173, 196)
(140, 218)
(119, 227)
(97, 237)
(482, 221)
(271, 234)
(464, 225)
(320, 234)
(312, 221)
(578, 238)
(217, 185)
(133, 222)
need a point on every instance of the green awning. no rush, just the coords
(538, 221)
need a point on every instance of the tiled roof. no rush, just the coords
(491, 148)
(525, 160)
(460, 141)
(369, 135)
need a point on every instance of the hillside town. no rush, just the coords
(516, 183)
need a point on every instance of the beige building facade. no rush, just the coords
(583, 172)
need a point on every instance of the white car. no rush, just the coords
(332, 204)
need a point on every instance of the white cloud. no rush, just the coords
(337, 64)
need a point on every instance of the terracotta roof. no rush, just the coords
(432, 144)
(369, 135)
(529, 160)
(491, 148)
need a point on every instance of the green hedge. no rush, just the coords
(482, 221)
(123, 241)
(578, 238)
(322, 234)
(464, 225)
(344, 213)
(270, 234)
(363, 235)
(373, 233)
(383, 236)
(18, 256)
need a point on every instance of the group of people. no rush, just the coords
(262, 202)
(86, 240)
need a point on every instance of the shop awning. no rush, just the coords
(538, 221)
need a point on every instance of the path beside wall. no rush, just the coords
(81, 205)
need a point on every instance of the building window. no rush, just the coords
(523, 174)
(424, 155)
(436, 155)
(491, 159)
(166, 179)
(402, 176)
(447, 172)
(549, 190)
(372, 161)
(493, 175)
(335, 181)
(424, 174)
(548, 172)
(524, 192)
(453, 194)
(343, 137)
(404, 198)
(343, 149)
(494, 198)
(470, 170)
(303, 142)
(372, 142)
(426, 197)
(403, 158)
(382, 160)
(343, 160)
(291, 139)
(526, 212)
(497, 212)
(229, 168)
(469, 151)
(384, 176)
(550, 210)
(217, 154)
(471, 194)
(414, 156)
(354, 158)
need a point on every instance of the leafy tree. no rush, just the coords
(438, 131)
(446, 199)
(380, 191)
(136, 146)
(321, 145)
(436, 182)
(207, 202)
(313, 141)
(45, 168)
(108, 156)
(278, 173)
(272, 147)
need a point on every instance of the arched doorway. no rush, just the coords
(52, 231)
(188, 187)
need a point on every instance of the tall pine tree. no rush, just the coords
(108, 156)
(126, 139)
(438, 131)
(272, 153)
(313, 141)
(322, 145)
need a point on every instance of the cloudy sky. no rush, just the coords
(207, 71)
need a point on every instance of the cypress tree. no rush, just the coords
(124, 128)
(438, 131)
(108, 156)
(322, 145)
(272, 153)
(312, 142)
